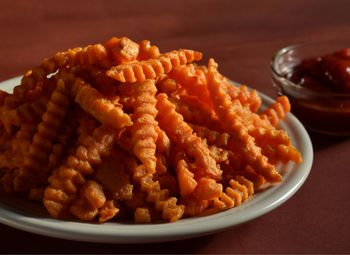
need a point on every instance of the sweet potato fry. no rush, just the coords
(118, 130)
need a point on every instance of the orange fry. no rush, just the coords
(152, 68)
(143, 132)
(93, 102)
(193, 80)
(194, 111)
(42, 141)
(277, 110)
(120, 131)
(182, 134)
(147, 51)
(207, 189)
(122, 50)
(239, 133)
(65, 180)
(187, 183)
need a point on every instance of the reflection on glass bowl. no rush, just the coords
(320, 110)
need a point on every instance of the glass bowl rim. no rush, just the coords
(285, 82)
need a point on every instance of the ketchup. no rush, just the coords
(328, 74)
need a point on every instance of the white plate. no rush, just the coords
(30, 217)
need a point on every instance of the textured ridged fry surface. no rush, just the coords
(119, 131)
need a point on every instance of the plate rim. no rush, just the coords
(113, 232)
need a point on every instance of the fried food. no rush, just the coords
(120, 131)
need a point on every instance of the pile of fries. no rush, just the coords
(121, 131)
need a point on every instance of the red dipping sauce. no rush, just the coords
(329, 73)
(318, 89)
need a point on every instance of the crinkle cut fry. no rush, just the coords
(277, 110)
(30, 80)
(262, 136)
(32, 170)
(91, 198)
(143, 132)
(181, 133)
(97, 78)
(108, 211)
(89, 55)
(112, 175)
(25, 133)
(185, 178)
(193, 79)
(238, 192)
(86, 126)
(246, 97)
(168, 86)
(246, 171)
(26, 113)
(240, 138)
(30, 112)
(143, 137)
(213, 137)
(147, 51)
(281, 153)
(93, 102)
(122, 50)
(270, 136)
(95, 54)
(66, 180)
(16, 148)
(168, 205)
(239, 105)
(160, 197)
(63, 137)
(153, 68)
(163, 142)
(195, 112)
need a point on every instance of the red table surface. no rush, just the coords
(241, 36)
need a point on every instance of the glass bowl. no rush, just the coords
(322, 112)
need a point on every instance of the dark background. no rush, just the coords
(241, 36)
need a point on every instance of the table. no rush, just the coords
(241, 36)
